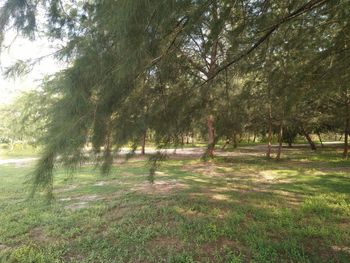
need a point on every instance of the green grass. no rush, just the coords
(239, 209)
(18, 151)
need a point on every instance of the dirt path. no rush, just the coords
(255, 150)
(18, 161)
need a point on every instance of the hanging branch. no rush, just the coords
(303, 9)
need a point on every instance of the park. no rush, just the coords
(174, 131)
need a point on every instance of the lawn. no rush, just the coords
(240, 208)
(17, 151)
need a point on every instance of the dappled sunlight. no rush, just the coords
(188, 212)
(220, 197)
(248, 205)
(284, 173)
(341, 249)
(196, 179)
(159, 187)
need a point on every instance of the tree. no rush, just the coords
(173, 66)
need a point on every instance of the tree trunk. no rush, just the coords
(280, 138)
(320, 139)
(211, 136)
(269, 137)
(235, 142)
(227, 142)
(346, 139)
(254, 138)
(309, 140)
(143, 144)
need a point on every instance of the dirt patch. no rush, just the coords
(341, 249)
(77, 206)
(66, 189)
(116, 213)
(206, 169)
(113, 182)
(166, 242)
(38, 234)
(84, 198)
(159, 187)
(189, 213)
(4, 247)
(209, 250)
(80, 201)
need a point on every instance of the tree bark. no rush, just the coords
(235, 142)
(346, 139)
(143, 144)
(211, 136)
(309, 140)
(280, 138)
(269, 137)
(320, 139)
(227, 142)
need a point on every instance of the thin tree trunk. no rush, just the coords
(346, 139)
(235, 143)
(269, 137)
(254, 138)
(211, 136)
(280, 138)
(143, 144)
(226, 143)
(320, 139)
(309, 140)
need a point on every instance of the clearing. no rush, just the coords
(238, 207)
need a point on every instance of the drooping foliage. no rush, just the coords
(173, 67)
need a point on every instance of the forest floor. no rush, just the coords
(238, 207)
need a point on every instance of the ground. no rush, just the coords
(238, 207)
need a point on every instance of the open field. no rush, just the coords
(234, 208)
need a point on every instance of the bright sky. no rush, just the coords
(23, 49)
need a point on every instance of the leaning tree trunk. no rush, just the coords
(280, 138)
(309, 140)
(211, 136)
(320, 139)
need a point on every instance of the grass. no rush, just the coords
(18, 151)
(232, 209)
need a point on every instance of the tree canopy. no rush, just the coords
(217, 67)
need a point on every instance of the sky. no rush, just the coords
(23, 49)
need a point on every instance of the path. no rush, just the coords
(254, 150)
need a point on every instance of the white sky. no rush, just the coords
(23, 49)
